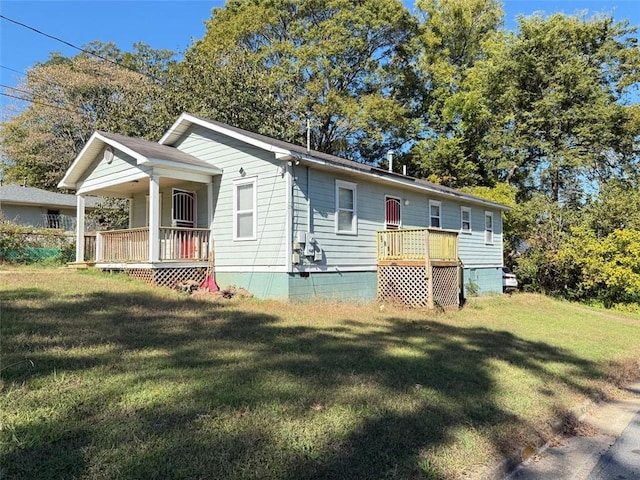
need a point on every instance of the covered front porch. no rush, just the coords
(171, 206)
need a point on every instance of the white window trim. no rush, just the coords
(462, 210)
(438, 204)
(488, 233)
(237, 183)
(354, 222)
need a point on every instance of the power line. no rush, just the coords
(12, 70)
(31, 100)
(53, 37)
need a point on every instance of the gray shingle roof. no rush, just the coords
(155, 150)
(333, 159)
(17, 194)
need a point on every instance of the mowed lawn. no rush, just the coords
(105, 378)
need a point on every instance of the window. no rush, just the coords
(434, 214)
(488, 227)
(346, 211)
(53, 219)
(244, 209)
(391, 213)
(465, 219)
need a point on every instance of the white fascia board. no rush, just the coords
(183, 175)
(177, 129)
(85, 158)
(210, 170)
(185, 117)
(65, 182)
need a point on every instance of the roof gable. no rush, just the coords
(143, 151)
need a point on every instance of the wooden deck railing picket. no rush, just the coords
(417, 245)
(132, 245)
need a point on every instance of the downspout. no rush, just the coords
(309, 209)
(289, 219)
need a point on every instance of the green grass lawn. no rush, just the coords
(105, 378)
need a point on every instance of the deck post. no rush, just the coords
(154, 218)
(79, 228)
(428, 270)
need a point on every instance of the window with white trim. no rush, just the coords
(435, 209)
(465, 219)
(488, 227)
(346, 208)
(245, 222)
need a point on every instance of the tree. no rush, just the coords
(453, 38)
(333, 61)
(557, 93)
(72, 97)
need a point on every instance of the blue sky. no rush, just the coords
(171, 25)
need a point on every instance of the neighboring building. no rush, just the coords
(285, 222)
(40, 208)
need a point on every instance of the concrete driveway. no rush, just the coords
(608, 449)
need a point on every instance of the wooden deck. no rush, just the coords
(419, 267)
(414, 246)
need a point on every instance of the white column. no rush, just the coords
(79, 228)
(210, 214)
(154, 218)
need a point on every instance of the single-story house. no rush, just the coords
(34, 207)
(284, 221)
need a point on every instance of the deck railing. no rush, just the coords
(417, 245)
(184, 243)
(132, 245)
(90, 247)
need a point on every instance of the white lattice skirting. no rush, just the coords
(168, 277)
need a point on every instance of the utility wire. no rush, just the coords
(12, 70)
(39, 32)
(31, 100)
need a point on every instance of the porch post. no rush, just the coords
(210, 216)
(154, 218)
(79, 228)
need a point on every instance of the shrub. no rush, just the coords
(23, 244)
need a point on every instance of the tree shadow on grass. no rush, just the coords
(195, 389)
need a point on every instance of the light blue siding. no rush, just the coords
(122, 166)
(230, 155)
(359, 250)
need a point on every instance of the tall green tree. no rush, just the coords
(73, 96)
(450, 103)
(333, 61)
(557, 98)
